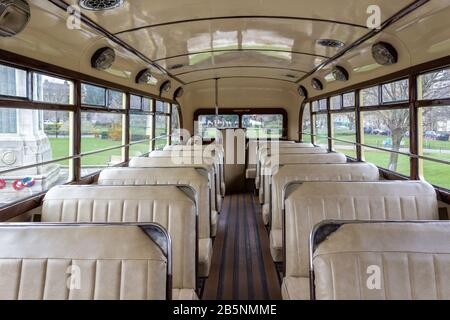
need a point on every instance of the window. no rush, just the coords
(321, 126)
(436, 144)
(395, 91)
(135, 102)
(116, 99)
(336, 103)
(348, 100)
(161, 131)
(207, 124)
(315, 106)
(42, 136)
(434, 85)
(370, 97)
(140, 131)
(175, 125)
(163, 107)
(263, 125)
(13, 82)
(323, 105)
(52, 90)
(8, 120)
(147, 104)
(93, 95)
(388, 130)
(100, 130)
(344, 129)
(306, 126)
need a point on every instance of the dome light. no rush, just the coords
(103, 58)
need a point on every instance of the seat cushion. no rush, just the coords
(276, 245)
(214, 221)
(295, 288)
(204, 257)
(266, 213)
(184, 294)
(250, 173)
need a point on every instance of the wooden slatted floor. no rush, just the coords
(242, 267)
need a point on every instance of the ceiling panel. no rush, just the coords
(272, 59)
(138, 13)
(273, 34)
(240, 72)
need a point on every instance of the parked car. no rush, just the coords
(430, 135)
(443, 136)
(368, 130)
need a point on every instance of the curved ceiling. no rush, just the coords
(203, 39)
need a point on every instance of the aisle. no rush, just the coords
(242, 267)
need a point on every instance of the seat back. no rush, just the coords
(166, 205)
(195, 178)
(168, 162)
(271, 165)
(299, 173)
(84, 262)
(312, 202)
(381, 261)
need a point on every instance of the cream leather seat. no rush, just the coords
(270, 166)
(412, 261)
(195, 178)
(168, 206)
(214, 151)
(103, 262)
(265, 148)
(310, 203)
(300, 173)
(168, 162)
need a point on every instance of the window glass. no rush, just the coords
(140, 131)
(8, 120)
(336, 103)
(306, 126)
(100, 130)
(321, 126)
(344, 129)
(135, 102)
(52, 90)
(323, 105)
(147, 104)
(387, 129)
(159, 106)
(207, 124)
(434, 85)
(315, 106)
(175, 126)
(349, 99)
(436, 144)
(263, 125)
(370, 97)
(395, 91)
(93, 95)
(33, 136)
(116, 99)
(161, 128)
(13, 82)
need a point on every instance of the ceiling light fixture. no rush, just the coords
(103, 58)
(178, 93)
(340, 74)
(317, 84)
(144, 77)
(98, 5)
(302, 92)
(165, 87)
(384, 53)
(14, 17)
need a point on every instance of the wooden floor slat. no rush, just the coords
(242, 268)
